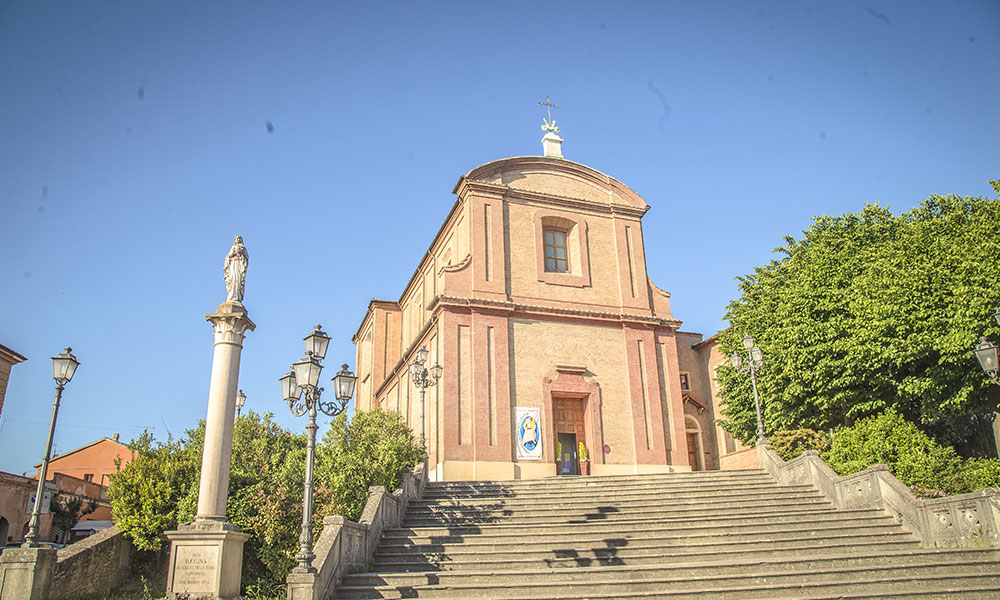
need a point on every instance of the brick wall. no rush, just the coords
(93, 565)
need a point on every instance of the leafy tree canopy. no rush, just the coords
(159, 489)
(374, 448)
(870, 311)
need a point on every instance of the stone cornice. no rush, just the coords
(537, 198)
(561, 166)
(539, 310)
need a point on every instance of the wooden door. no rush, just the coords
(693, 450)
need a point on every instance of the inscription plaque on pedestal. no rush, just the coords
(196, 568)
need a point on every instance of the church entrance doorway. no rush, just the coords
(567, 415)
(567, 461)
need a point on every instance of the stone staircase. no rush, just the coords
(719, 535)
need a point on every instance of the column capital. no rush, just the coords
(231, 322)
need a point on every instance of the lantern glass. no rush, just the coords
(986, 352)
(436, 371)
(289, 389)
(317, 342)
(736, 360)
(757, 354)
(307, 371)
(241, 398)
(64, 366)
(422, 355)
(415, 369)
(748, 342)
(343, 384)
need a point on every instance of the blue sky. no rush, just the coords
(139, 137)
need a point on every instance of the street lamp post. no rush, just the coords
(64, 366)
(754, 362)
(423, 378)
(300, 389)
(241, 399)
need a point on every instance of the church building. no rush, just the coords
(533, 297)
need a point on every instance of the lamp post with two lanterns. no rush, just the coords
(64, 366)
(423, 378)
(754, 362)
(300, 389)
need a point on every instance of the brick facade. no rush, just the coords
(509, 333)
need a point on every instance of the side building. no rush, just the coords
(533, 296)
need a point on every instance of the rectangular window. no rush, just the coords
(88, 477)
(685, 382)
(555, 251)
(730, 443)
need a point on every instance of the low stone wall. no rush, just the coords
(347, 546)
(971, 519)
(94, 565)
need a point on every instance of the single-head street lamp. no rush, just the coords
(986, 352)
(64, 367)
(241, 399)
(753, 364)
(300, 390)
(423, 378)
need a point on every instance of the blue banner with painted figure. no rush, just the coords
(529, 433)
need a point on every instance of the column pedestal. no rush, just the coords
(206, 559)
(206, 555)
(26, 573)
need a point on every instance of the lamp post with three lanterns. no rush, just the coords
(300, 389)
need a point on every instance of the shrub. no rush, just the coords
(791, 443)
(913, 456)
(979, 473)
(373, 449)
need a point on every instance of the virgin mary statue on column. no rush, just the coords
(235, 270)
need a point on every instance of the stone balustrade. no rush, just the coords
(971, 519)
(346, 546)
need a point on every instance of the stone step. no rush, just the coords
(514, 561)
(599, 496)
(872, 580)
(730, 498)
(645, 511)
(562, 480)
(561, 546)
(965, 561)
(550, 491)
(586, 482)
(494, 534)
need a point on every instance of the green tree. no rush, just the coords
(870, 311)
(373, 448)
(159, 488)
(146, 493)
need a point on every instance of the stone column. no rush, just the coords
(231, 323)
(206, 555)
